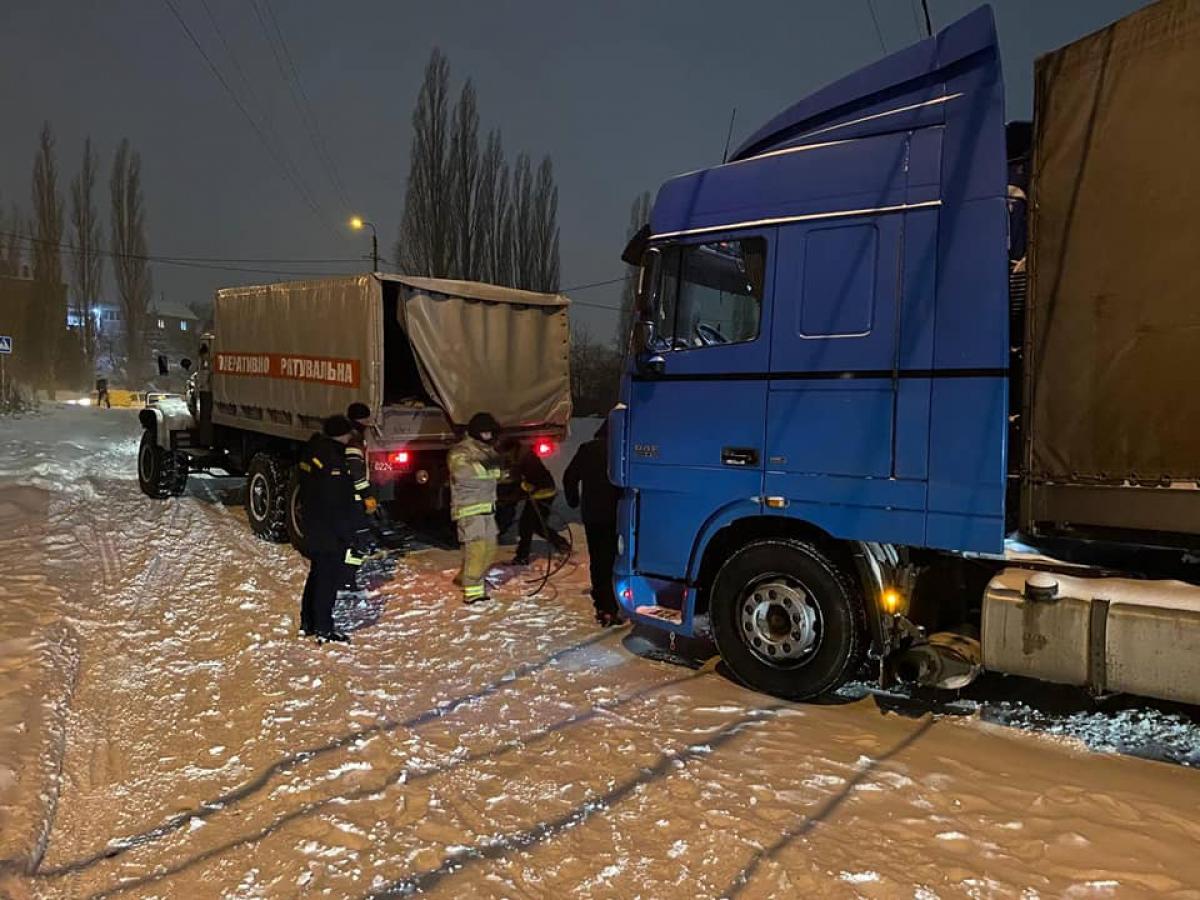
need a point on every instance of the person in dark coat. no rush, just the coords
(538, 489)
(332, 520)
(102, 393)
(359, 415)
(588, 471)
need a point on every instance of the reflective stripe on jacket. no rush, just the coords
(474, 471)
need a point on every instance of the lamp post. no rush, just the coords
(357, 223)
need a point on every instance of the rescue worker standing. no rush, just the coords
(537, 486)
(332, 521)
(474, 471)
(589, 470)
(359, 415)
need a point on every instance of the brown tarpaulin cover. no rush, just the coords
(329, 323)
(1114, 327)
(482, 348)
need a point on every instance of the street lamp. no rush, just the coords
(357, 223)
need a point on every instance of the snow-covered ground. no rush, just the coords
(163, 732)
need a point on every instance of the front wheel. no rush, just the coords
(787, 620)
(161, 473)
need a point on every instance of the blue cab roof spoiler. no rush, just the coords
(856, 93)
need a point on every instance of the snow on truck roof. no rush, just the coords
(449, 287)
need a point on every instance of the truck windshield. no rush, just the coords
(710, 294)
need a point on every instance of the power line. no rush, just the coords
(878, 30)
(303, 104)
(248, 92)
(283, 168)
(912, 6)
(217, 263)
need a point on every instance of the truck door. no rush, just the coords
(696, 426)
(845, 437)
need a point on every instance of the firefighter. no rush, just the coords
(474, 470)
(359, 415)
(332, 522)
(539, 491)
(589, 470)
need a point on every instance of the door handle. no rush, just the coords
(739, 456)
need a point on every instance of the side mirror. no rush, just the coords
(653, 365)
(185, 364)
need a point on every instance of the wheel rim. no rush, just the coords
(296, 511)
(260, 496)
(146, 462)
(779, 621)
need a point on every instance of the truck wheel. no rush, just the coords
(787, 621)
(295, 518)
(266, 497)
(161, 473)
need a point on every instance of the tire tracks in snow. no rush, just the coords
(406, 775)
(809, 822)
(120, 846)
(496, 847)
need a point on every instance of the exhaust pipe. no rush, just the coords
(949, 660)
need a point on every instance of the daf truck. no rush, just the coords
(425, 354)
(862, 425)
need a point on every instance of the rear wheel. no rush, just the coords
(295, 514)
(161, 473)
(266, 497)
(787, 620)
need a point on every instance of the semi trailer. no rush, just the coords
(870, 417)
(425, 354)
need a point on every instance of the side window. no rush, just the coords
(711, 294)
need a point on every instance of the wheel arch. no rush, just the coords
(727, 531)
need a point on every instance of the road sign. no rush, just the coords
(5, 343)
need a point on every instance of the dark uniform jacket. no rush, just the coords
(589, 471)
(356, 464)
(332, 517)
(531, 472)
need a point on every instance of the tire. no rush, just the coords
(266, 497)
(295, 516)
(787, 620)
(161, 473)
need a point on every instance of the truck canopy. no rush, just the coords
(286, 355)
(480, 347)
(1113, 330)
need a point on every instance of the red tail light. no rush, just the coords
(544, 447)
(399, 458)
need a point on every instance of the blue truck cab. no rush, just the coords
(818, 388)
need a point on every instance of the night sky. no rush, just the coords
(621, 94)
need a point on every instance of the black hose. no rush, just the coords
(551, 570)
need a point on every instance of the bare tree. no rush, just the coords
(464, 184)
(544, 235)
(639, 215)
(49, 318)
(491, 190)
(11, 236)
(130, 268)
(87, 263)
(521, 234)
(426, 245)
